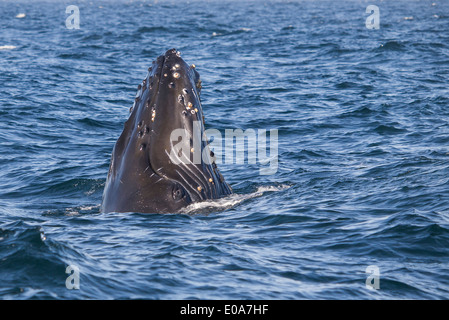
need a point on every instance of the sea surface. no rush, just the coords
(362, 181)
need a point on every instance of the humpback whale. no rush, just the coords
(148, 171)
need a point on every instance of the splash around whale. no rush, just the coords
(147, 173)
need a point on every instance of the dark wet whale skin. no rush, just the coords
(142, 177)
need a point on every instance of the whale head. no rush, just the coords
(152, 167)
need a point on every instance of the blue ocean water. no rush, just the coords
(363, 172)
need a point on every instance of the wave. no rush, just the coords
(30, 263)
(392, 46)
(231, 32)
(152, 29)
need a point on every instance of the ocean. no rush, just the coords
(358, 205)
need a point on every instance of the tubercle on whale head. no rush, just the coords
(175, 100)
(170, 85)
(175, 64)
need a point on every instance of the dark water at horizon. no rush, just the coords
(363, 172)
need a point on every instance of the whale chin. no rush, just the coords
(144, 175)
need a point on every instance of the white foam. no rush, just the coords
(229, 201)
(81, 209)
(272, 188)
(7, 47)
(88, 208)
